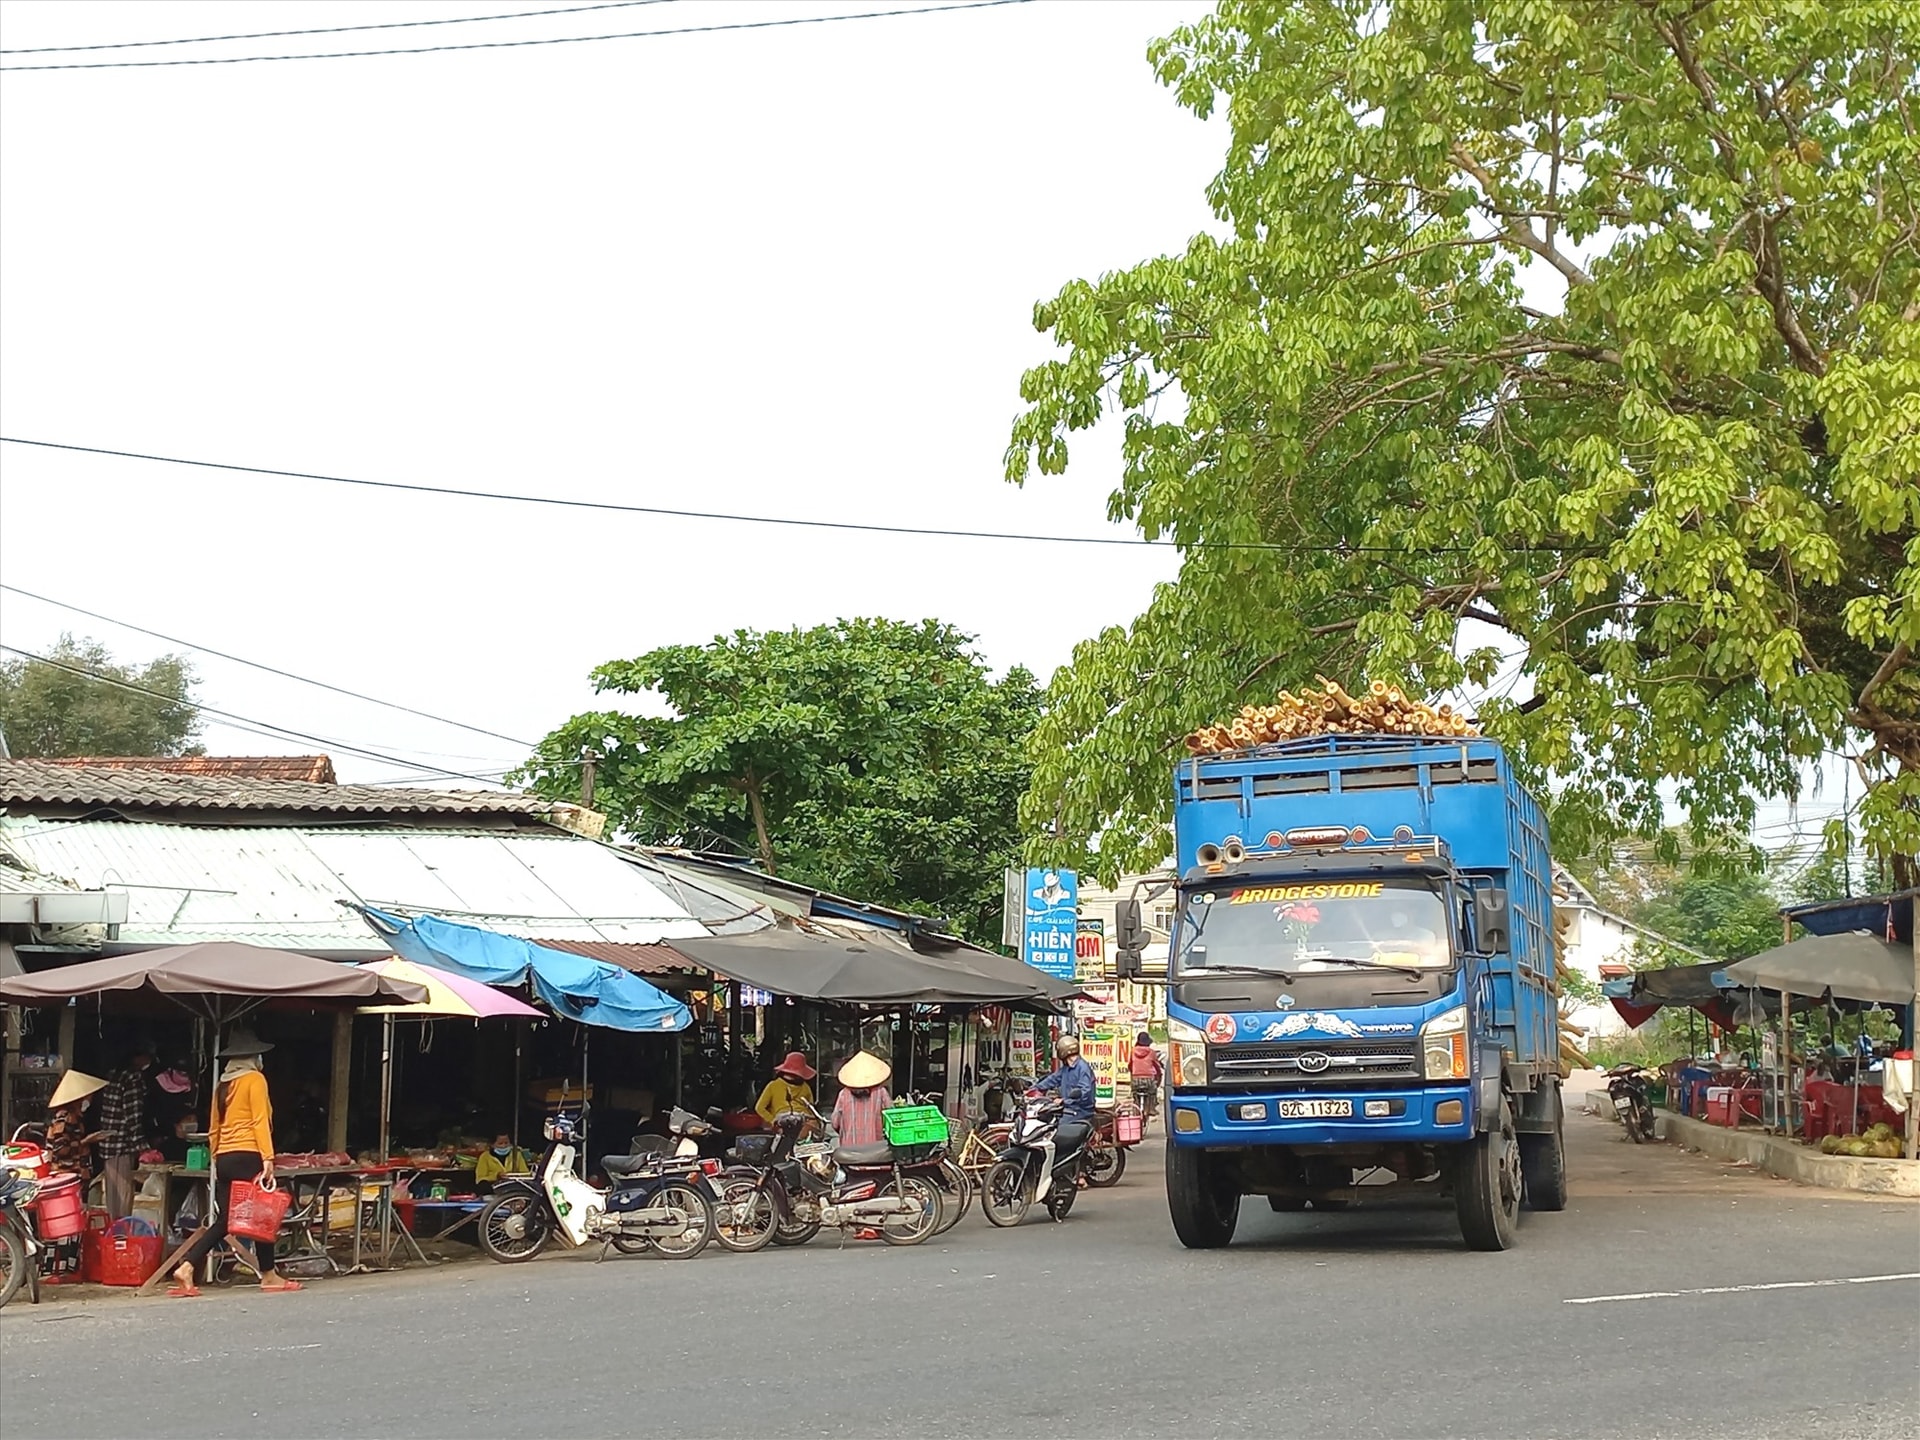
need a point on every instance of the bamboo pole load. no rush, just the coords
(1380, 709)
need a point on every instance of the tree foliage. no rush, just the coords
(873, 758)
(53, 709)
(1686, 496)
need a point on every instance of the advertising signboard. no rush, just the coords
(1048, 940)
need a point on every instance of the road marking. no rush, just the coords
(1741, 1289)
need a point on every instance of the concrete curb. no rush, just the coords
(1779, 1156)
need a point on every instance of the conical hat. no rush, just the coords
(75, 1085)
(864, 1071)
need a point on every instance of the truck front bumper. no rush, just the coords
(1426, 1114)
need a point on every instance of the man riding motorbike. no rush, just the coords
(1073, 1081)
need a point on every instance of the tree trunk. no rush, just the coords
(752, 787)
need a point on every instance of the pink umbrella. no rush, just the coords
(446, 995)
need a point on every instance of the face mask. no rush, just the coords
(861, 1094)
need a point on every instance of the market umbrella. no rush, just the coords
(447, 995)
(1856, 965)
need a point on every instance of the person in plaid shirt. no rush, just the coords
(123, 1127)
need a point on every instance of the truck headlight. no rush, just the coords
(1443, 1045)
(1187, 1054)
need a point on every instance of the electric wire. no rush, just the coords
(240, 721)
(858, 526)
(511, 44)
(269, 669)
(337, 29)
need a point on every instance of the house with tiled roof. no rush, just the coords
(311, 769)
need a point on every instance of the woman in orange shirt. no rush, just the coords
(241, 1138)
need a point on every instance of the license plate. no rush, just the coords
(1621, 1102)
(1315, 1109)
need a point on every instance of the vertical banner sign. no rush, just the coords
(1020, 1047)
(1013, 909)
(1090, 951)
(1049, 938)
(1099, 1048)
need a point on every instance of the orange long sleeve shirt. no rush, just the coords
(246, 1121)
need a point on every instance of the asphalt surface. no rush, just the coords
(1371, 1323)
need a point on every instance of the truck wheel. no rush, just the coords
(1204, 1207)
(1543, 1164)
(1487, 1186)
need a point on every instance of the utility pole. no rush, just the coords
(589, 758)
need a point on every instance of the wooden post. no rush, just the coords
(69, 1023)
(339, 1080)
(1786, 1063)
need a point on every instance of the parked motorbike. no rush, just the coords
(20, 1247)
(1628, 1089)
(810, 1183)
(1039, 1165)
(655, 1202)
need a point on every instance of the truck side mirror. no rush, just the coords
(1491, 921)
(1132, 939)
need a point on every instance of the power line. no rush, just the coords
(242, 721)
(338, 29)
(510, 44)
(865, 527)
(270, 669)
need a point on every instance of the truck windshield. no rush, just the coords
(1300, 927)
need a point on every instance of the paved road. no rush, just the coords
(1373, 1323)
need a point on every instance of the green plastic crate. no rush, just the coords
(915, 1125)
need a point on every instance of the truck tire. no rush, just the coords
(1543, 1164)
(1203, 1206)
(1487, 1186)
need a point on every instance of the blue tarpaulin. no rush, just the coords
(573, 986)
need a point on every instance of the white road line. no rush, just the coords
(1742, 1289)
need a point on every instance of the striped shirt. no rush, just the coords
(856, 1118)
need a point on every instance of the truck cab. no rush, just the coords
(1360, 971)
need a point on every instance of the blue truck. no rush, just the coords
(1360, 977)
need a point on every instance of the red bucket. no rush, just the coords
(62, 1207)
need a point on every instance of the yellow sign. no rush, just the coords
(1346, 890)
(1102, 1051)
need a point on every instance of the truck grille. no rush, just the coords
(1315, 1062)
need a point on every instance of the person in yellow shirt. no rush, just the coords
(505, 1158)
(787, 1090)
(241, 1138)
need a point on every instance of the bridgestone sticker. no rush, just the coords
(1354, 890)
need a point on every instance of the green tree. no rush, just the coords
(55, 707)
(1686, 496)
(1719, 900)
(873, 758)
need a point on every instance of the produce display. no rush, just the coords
(1381, 709)
(1876, 1142)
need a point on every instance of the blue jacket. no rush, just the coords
(1074, 1081)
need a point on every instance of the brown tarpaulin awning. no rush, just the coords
(214, 974)
(860, 972)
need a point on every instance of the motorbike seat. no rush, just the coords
(627, 1165)
(852, 1155)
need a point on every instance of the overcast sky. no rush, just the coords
(783, 271)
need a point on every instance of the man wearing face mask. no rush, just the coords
(505, 1158)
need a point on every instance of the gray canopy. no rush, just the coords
(1853, 966)
(867, 972)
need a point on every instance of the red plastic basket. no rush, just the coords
(125, 1253)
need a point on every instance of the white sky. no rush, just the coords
(783, 271)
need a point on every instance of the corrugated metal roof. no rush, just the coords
(641, 959)
(25, 784)
(15, 881)
(282, 885)
(310, 769)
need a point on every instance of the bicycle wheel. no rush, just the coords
(1003, 1198)
(696, 1222)
(919, 1223)
(956, 1196)
(14, 1261)
(746, 1220)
